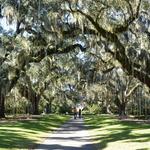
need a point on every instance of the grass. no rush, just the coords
(113, 134)
(26, 134)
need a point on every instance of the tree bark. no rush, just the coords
(121, 106)
(122, 110)
(49, 108)
(2, 105)
(35, 105)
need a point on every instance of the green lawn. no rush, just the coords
(25, 134)
(113, 134)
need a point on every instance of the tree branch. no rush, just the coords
(132, 18)
(108, 70)
(120, 53)
(56, 50)
(132, 90)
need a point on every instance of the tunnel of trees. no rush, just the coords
(57, 53)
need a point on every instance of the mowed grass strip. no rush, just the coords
(25, 134)
(113, 134)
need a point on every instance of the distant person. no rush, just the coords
(75, 112)
(79, 113)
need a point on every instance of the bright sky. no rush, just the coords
(7, 27)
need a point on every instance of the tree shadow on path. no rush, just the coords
(71, 136)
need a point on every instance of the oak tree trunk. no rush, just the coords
(2, 105)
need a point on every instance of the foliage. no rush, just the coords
(58, 50)
(92, 109)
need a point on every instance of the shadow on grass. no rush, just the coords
(14, 140)
(25, 134)
(111, 130)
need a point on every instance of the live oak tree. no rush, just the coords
(122, 87)
(118, 28)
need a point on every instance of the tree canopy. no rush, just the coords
(65, 47)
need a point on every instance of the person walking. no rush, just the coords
(79, 113)
(75, 112)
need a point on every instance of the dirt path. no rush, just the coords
(71, 136)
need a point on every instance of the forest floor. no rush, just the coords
(113, 134)
(25, 133)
